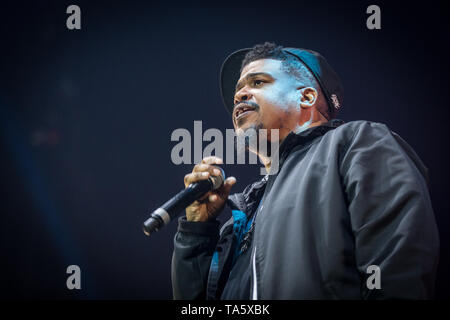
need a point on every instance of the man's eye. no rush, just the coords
(257, 82)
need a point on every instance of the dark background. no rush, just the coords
(86, 118)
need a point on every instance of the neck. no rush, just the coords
(311, 118)
(314, 118)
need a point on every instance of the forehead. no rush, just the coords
(270, 66)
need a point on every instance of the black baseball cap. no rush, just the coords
(325, 75)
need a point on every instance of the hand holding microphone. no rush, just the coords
(203, 198)
(209, 206)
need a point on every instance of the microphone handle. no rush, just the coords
(169, 210)
(186, 196)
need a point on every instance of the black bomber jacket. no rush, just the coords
(348, 199)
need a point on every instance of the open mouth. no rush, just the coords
(242, 110)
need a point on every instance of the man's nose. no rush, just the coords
(242, 95)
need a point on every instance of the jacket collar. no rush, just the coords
(248, 200)
(294, 139)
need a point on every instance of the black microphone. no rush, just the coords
(169, 210)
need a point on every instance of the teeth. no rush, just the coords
(241, 111)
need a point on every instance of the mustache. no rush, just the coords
(249, 103)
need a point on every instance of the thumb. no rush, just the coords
(228, 184)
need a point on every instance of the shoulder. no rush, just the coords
(357, 125)
(361, 129)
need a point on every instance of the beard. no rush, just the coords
(254, 140)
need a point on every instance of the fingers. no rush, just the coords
(213, 170)
(228, 184)
(217, 198)
(224, 191)
(204, 170)
(213, 198)
(194, 177)
(212, 160)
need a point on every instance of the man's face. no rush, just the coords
(266, 97)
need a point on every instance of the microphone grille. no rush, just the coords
(217, 181)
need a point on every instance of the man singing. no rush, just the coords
(347, 214)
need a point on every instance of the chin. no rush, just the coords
(248, 126)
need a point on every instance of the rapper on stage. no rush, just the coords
(346, 215)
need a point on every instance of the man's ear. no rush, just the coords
(308, 97)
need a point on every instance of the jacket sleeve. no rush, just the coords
(391, 214)
(194, 246)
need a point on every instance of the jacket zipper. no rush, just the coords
(254, 295)
(254, 276)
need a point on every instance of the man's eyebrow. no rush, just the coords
(249, 76)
